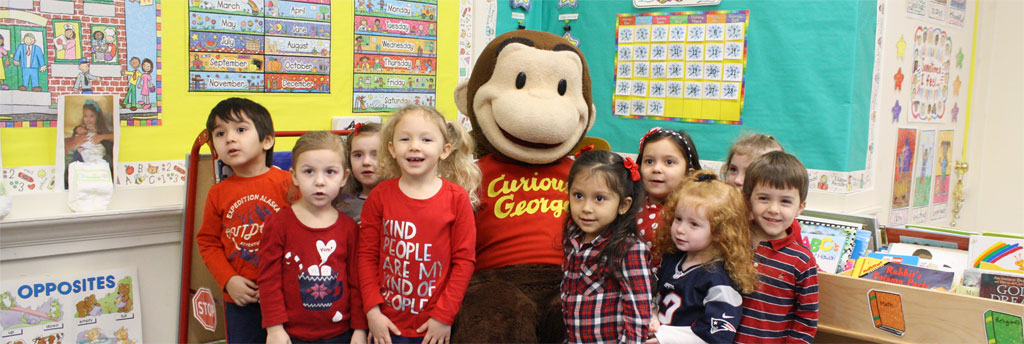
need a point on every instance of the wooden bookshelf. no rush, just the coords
(930, 316)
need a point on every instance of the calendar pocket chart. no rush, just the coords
(681, 66)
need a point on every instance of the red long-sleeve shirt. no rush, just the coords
(236, 209)
(308, 277)
(522, 212)
(416, 255)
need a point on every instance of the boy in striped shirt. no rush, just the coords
(784, 307)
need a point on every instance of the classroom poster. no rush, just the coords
(271, 46)
(394, 55)
(92, 307)
(930, 84)
(65, 47)
(943, 170)
(906, 143)
(680, 66)
(923, 176)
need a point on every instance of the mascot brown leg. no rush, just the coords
(514, 304)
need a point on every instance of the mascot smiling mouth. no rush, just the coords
(525, 143)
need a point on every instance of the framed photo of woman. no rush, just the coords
(88, 130)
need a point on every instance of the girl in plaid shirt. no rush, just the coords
(606, 287)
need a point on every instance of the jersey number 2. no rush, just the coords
(669, 304)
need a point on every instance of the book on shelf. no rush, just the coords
(934, 257)
(927, 237)
(895, 258)
(1001, 286)
(997, 253)
(830, 241)
(910, 275)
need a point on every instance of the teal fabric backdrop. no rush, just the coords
(808, 75)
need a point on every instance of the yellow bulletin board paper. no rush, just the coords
(184, 114)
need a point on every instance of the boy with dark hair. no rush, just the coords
(784, 306)
(236, 209)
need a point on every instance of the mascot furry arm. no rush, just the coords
(530, 104)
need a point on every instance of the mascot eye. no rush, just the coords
(561, 87)
(520, 80)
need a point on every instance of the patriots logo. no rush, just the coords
(718, 325)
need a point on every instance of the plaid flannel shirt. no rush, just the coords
(597, 310)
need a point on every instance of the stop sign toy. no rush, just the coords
(204, 310)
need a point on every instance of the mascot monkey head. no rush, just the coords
(528, 97)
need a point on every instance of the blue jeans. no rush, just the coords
(244, 324)
(341, 338)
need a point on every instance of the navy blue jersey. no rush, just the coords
(701, 297)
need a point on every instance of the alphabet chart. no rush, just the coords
(681, 66)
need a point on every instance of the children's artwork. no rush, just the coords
(93, 307)
(395, 54)
(87, 132)
(887, 311)
(929, 86)
(936, 10)
(957, 12)
(259, 47)
(68, 47)
(916, 8)
(923, 174)
(997, 253)
(681, 66)
(943, 168)
(906, 143)
(1003, 328)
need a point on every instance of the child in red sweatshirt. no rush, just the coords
(416, 251)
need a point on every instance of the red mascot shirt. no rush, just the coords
(522, 212)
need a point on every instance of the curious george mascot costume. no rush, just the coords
(529, 102)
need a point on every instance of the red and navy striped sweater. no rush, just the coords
(784, 308)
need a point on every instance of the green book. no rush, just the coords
(1002, 328)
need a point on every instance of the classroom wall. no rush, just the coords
(184, 114)
(994, 184)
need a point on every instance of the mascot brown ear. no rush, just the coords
(529, 97)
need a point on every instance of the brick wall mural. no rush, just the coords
(50, 48)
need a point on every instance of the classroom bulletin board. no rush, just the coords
(807, 79)
(184, 113)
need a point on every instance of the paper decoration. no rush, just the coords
(898, 78)
(887, 311)
(107, 47)
(681, 66)
(906, 143)
(1003, 328)
(395, 55)
(567, 3)
(923, 176)
(257, 47)
(97, 306)
(896, 109)
(149, 173)
(930, 81)
(901, 46)
(943, 170)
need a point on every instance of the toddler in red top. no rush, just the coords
(237, 207)
(666, 156)
(417, 234)
(606, 288)
(308, 277)
(784, 306)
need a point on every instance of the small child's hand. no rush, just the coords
(277, 335)
(380, 325)
(655, 324)
(358, 337)
(653, 340)
(242, 290)
(437, 332)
